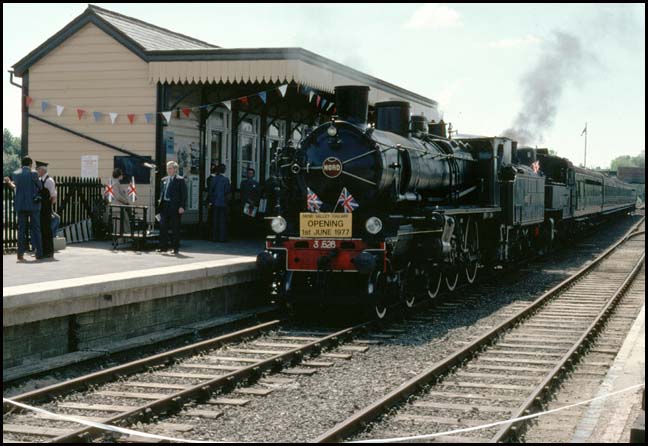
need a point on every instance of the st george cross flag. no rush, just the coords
(535, 166)
(347, 201)
(108, 193)
(132, 190)
(313, 202)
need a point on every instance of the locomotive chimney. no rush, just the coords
(418, 125)
(393, 116)
(352, 103)
(437, 129)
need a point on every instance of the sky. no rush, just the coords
(543, 70)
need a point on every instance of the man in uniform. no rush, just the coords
(219, 188)
(250, 195)
(172, 204)
(27, 205)
(48, 199)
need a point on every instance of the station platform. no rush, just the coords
(91, 296)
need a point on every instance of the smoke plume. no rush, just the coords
(562, 62)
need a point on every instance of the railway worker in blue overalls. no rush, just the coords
(218, 189)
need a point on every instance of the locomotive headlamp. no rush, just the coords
(278, 224)
(331, 131)
(373, 225)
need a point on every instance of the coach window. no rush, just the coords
(248, 153)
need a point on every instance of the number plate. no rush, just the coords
(325, 225)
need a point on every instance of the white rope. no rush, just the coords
(122, 430)
(498, 423)
(107, 427)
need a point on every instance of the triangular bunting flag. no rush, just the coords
(329, 106)
(149, 117)
(244, 100)
(113, 117)
(44, 105)
(28, 101)
(263, 97)
(317, 100)
(186, 111)
(59, 110)
(310, 95)
(323, 102)
(97, 115)
(228, 104)
(167, 116)
(80, 113)
(283, 90)
(131, 117)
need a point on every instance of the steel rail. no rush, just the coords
(175, 401)
(113, 373)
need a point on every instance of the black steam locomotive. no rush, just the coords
(386, 213)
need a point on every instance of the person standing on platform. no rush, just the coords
(250, 196)
(213, 171)
(172, 204)
(121, 198)
(219, 188)
(27, 205)
(48, 199)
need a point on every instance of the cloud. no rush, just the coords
(529, 39)
(433, 15)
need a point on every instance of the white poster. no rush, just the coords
(89, 166)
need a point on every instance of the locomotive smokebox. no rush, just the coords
(352, 103)
(393, 116)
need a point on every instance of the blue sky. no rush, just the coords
(470, 58)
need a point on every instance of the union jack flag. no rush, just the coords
(132, 190)
(347, 201)
(109, 193)
(312, 201)
(536, 166)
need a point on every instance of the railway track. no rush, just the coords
(167, 382)
(505, 373)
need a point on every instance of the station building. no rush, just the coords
(110, 90)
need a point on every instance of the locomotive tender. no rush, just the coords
(383, 214)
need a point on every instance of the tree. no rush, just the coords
(10, 152)
(629, 161)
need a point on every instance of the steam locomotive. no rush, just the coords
(384, 214)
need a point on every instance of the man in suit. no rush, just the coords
(172, 204)
(219, 188)
(27, 205)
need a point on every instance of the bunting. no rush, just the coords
(320, 102)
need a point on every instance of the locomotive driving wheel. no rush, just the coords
(434, 279)
(377, 292)
(471, 249)
(408, 285)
